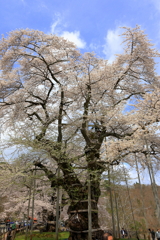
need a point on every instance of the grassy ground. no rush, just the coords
(44, 236)
(52, 236)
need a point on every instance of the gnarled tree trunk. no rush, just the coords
(78, 194)
(78, 209)
(78, 217)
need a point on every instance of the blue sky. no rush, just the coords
(92, 24)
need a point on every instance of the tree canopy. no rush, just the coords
(76, 108)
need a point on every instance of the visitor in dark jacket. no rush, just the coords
(153, 234)
(124, 233)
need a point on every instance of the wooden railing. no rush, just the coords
(10, 235)
(3, 236)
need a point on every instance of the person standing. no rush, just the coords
(124, 233)
(13, 226)
(158, 234)
(153, 234)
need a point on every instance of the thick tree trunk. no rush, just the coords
(78, 210)
(78, 220)
(78, 194)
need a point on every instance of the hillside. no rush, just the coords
(143, 207)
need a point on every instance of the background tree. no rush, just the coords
(16, 182)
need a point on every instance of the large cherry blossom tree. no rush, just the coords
(73, 107)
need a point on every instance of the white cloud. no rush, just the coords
(113, 44)
(57, 28)
(54, 25)
(74, 37)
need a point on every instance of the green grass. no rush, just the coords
(52, 236)
(44, 236)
